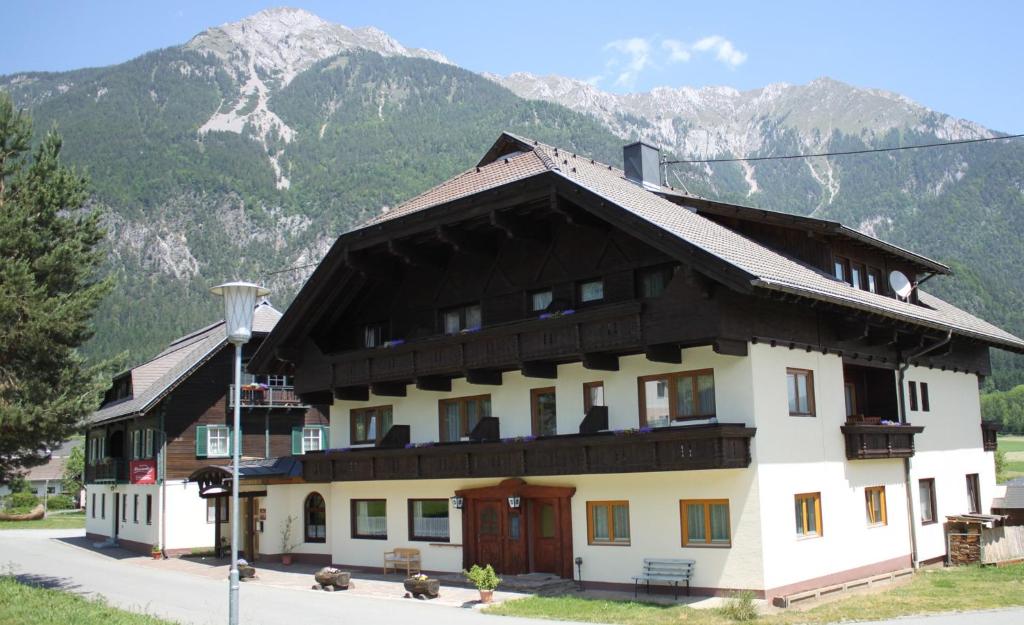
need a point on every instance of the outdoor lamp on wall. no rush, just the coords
(513, 501)
(239, 307)
(579, 571)
(457, 502)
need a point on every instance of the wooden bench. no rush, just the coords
(671, 571)
(410, 558)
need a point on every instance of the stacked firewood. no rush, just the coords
(964, 549)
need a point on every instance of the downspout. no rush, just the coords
(161, 476)
(900, 372)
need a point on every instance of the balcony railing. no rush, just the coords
(109, 470)
(864, 442)
(264, 396)
(719, 446)
(989, 432)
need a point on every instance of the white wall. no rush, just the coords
(128, 528)
(807, 454)
(949, 448)
(186, 517)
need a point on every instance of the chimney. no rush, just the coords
(642, 163)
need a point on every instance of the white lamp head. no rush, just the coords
(239, 304)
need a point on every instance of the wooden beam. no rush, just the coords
(461, 241)
(601, 362)
(289, 353)
(317, 398)
(490, 377)
(664, 352)
(730, 347)
(356, 261)
(852, 331)
(411, 255)
(352, 393)
(517, 228)
(539, 369)
(434, 383)
(388, 389)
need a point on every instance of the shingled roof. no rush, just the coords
(516, 158)
(153, 379)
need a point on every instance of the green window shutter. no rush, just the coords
(200, 441)
(325, 437)
(297, 440)
(231, 442)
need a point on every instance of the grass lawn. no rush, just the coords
(933, 590)
(73, 520)
(1011, 443)
(27, 605)
(1013, 446)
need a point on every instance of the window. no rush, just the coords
(540, 300)
(92, 507)
(135, 508)
(212, 505)
(278, 380)
(369, 518)
(800, 384)
(590, 291)
(312, 438)
(124, 507)
(705, 522)
(428, 519)
(841, 268)
(218, 441)
(459, 416)
(373, 335)
(315, 518)
(593, 395)
(874, 280)
(51, 490)
(925, 402)
(926, 492)
(808, 514)
(542, 403)
(149, 446)
(874, 500)
(651, 282)
(857, 276)
(676, 396)
(973, 494)
(103, 505)
(149, 509)
(912, 393)
(607, 522)
(462, 318)
(136, 438)
(369, 425)
(850, 392)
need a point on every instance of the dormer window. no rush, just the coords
(857, 276)
(540, 300)
(456, 320)
(874, 280)
(591, 291)
(841, 269)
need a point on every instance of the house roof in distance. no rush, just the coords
(153, 379)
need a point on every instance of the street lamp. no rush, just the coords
(239, 304)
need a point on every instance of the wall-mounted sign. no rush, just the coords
(142, 471)
(263, 514)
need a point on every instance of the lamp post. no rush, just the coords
(239, 304)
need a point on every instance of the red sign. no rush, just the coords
(143, 471)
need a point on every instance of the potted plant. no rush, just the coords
(485, 580)
(155, 552)
(287, 540)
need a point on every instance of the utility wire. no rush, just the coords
(306, 266)
(847, 153)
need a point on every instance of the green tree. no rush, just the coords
(74, 472)
(49, 257)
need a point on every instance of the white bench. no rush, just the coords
(666, 570)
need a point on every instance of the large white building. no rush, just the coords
(545, 359)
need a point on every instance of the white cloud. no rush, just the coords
(638, 51)
(723, 49)
(678, 51)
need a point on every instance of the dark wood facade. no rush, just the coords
(866, 442)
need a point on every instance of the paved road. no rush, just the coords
(42, 557)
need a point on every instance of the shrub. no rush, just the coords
(59, 502)
(22, 500)
(483, 578)
(740, 607)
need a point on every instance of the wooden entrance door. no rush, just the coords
(545, 537)
(490, 532)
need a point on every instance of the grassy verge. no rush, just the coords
(934, 590)
(28, 605)
(1011, 443)
(61, 521)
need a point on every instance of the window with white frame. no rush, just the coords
(218, 441)
(312, 438)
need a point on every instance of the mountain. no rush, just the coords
(247, 149)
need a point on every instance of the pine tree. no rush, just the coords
(49, 289)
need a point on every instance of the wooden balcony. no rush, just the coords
(255, 396)
(865, 442)
(989, 438)
(687, 448)
(107, 470)
(615, 328)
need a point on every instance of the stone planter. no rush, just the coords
(329, 578)
(429, 587)
(246, 571)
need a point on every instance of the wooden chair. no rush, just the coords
(406, 556)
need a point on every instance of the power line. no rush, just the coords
(847, 153)
(286, 269)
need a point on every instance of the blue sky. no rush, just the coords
(961, 59)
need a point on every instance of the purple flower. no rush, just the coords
(646, 429)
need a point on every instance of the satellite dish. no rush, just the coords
(900, 284)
